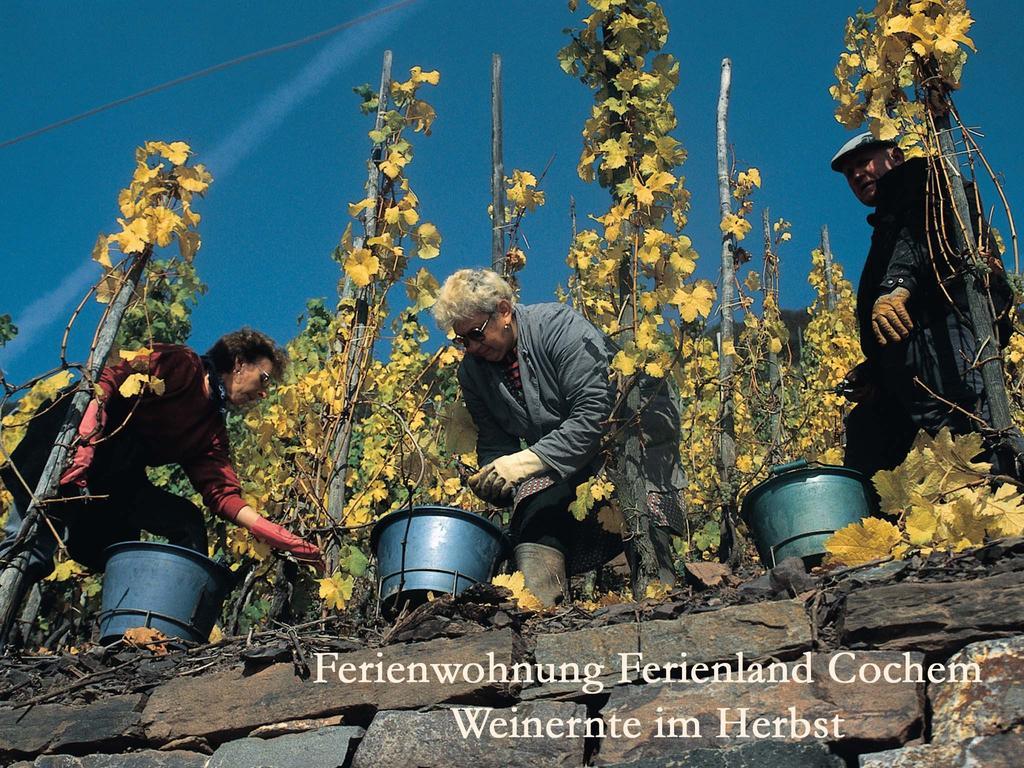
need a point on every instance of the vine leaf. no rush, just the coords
(870, 539)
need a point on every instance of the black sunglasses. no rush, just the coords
(473, 334)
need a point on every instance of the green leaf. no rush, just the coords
(355, 561)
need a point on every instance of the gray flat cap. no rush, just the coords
(858, 142)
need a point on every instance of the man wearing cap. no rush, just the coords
(915, 330)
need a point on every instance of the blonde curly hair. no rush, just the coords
(470, 292)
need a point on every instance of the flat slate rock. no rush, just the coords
(323, 748)
(759, 754)
(881, 714)
(998, 751)
(27, 731)
(935, 617)
(963, 710)
(230, 704)
(148, 758)
(778, 628)
(434, 740)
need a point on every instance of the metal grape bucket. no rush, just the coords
(434, 549)
(169, 588)
(796, 510)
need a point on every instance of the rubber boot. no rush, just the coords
(543, 570)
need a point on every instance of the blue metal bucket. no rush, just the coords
(794, 512)
(434, 549)
(169, 588)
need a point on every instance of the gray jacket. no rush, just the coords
(564, 368)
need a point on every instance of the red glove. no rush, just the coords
(88, 430)
(280, 538)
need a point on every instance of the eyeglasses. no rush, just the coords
(473, 334)
(264, 378)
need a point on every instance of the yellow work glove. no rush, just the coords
(889, 317)
(497, 480)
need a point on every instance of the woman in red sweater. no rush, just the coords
(177, 418)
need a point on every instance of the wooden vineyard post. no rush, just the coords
(830, 285)
(13, 581)
(726, 421)
(771, 284)
(985, 333)
(360, 342)
(498, 222)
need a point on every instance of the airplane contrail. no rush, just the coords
(225, 156)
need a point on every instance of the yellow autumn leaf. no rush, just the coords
(775, 345)
(137, 383)
(196, 179)
(433, 77)
(624, 363)
(133, 237)
(870, 539)
(336, 590)
(966, 519)
(657, 590)
(655, 369)
(660, 181)
(188, 243)
(163, 223)
(644, 196)
(177, 152)
(885, 128)
(133, 385)
(601, 488)
(354, 209)
(516, 584)
(615, 152)
(139, 358)
(952, 459)
(64, 570)
(428, 240)
(951, 29)
(394, 163)
(694, 300)
(422, 290)
(749, 177)
(922, 525)
(101, 252)
(216, 635)
(108, 288)
(734, 225)
(522, 192)
(1007, 504)
(361, 265)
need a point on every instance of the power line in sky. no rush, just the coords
(208, 71)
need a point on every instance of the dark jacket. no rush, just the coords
(941, 345)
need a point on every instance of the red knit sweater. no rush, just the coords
(181, 426)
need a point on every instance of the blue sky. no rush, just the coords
(287, 146)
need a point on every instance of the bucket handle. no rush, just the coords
(789, 466)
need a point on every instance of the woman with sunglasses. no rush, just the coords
(539, 374)
(178, 418)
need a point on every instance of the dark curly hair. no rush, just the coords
(248, 345)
